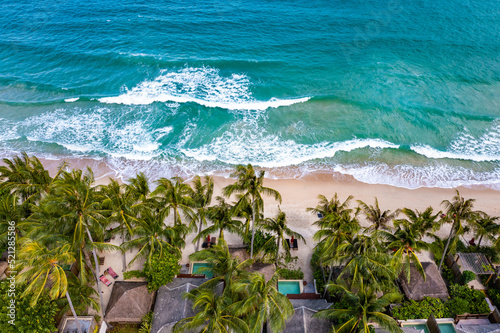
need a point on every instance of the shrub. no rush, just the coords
(421, 309)
(263, 241)
(291, 274)
(475, 298)
(494, 295)
(317, 272)
(467, 276)
(39, 318)
(458, 306)
(162, 270)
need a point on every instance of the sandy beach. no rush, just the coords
(299, 194)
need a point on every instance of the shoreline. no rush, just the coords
(301, 193)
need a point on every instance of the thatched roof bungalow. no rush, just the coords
(129, 302)
(417, 288)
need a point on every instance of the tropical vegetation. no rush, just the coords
(67, 220)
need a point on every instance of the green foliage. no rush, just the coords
(475, 298)
(291, 274)
(263, 242)
(162, 270)
(421, 309)
(462, 300)
(317, 272)
(458, 306)
(133, 274)
(467, 276)
(448, 275)
(494, 295)
(146, 323)
(38, 318)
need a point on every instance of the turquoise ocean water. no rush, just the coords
(397, 92)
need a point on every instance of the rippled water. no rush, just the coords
(393, 92)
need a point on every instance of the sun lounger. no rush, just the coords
(104, 280)
(294, 245)
(112, 273)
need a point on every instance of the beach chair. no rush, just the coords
(112, 273)
(104, 280)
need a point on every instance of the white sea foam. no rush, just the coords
(432, 175)
(248, 146)
(70, 100)
(485, 147)
(204, 86)
(99, 130)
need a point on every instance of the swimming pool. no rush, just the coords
(290, 287)
(444, 327)
(202, 268)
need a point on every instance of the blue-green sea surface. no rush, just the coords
(396, 92)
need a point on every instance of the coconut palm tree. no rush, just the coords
(460, 212)
(176, 196)
(335, 229)
(138, 187)
(221, 216)
(251, 188)
(223, 265)
(404, 243)
(83, 295)
(379, 219)
(76, 204)
(333, 206)
(41, 268)
(26, 177)
(365, 262)
(152, 236)
(264, 303)
(364, 308)
(213, 314)
(425, 222)
(120, 205)
(202, 197)
(486, 226)
(278, 227)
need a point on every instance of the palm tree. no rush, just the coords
(333, 206)
(458, 211)
(251, 188)
(423, 221)
(405, 242)
(26, 177)
(213, 314)
(221, 215)
(379, 219)
(76, 202)
(223, 265)
(121, 207)
(365, 262)
(202, 196)
(153, 236)
(83, 295)
(41, 268)
(175, 195)
(364, 308)
(486, 226)
(335, 229)
(278, 227)
(264, 304)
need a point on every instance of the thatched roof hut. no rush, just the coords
(129, 302)
(417, 288)
(170, 306)
(302, 320)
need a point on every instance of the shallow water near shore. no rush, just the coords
(388, 92)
